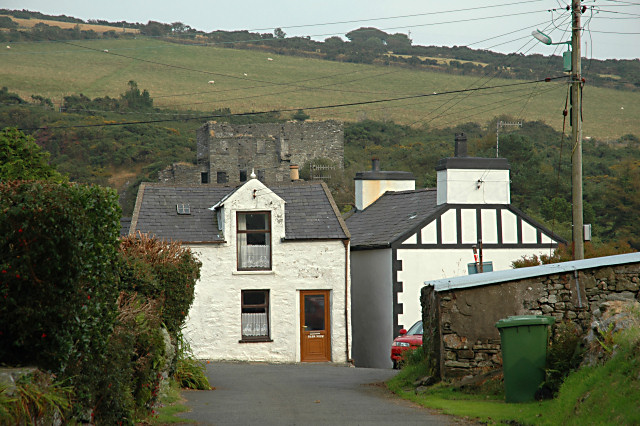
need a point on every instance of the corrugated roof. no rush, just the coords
(489, 278)
(390, 216)
(309, 212)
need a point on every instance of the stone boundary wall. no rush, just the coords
(459, 324)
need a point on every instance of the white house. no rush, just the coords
(402, 237)
(274, 282)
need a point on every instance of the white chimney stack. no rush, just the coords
(472, 180)
(371, 185)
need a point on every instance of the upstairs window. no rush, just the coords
(254, 241)
(183, 208)
(243, 175)
(204, 177)
(221, 177)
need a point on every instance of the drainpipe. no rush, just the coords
(346, 298)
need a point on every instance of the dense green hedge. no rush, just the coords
(58, 293)
(77, 301)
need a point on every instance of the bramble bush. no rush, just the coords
(160, 270)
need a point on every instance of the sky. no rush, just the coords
(612, 27)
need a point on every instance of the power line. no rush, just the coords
(398, 17)
(310, 108)
(489, 79)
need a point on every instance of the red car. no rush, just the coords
(411, 339)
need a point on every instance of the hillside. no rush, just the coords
(204, 78)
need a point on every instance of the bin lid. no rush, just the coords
(520, 320)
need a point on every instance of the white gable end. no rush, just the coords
(411, 240)
(429, 233)
(509, 227)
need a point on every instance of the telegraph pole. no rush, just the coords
(576, 132)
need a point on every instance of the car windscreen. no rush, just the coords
(415, 329)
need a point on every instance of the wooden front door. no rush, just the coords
(315, 320)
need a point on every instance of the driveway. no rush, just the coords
(302, 394)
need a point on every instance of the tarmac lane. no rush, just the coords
(303, 394)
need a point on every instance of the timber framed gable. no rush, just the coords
(461, 226)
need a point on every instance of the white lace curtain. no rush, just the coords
(255, 256)
(255, 324)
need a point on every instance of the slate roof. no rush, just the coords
(310, 212)
(390, 216)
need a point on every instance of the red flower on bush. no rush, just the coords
(43, 335)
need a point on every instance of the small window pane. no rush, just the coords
(204, 177)
(254, 297)
(243, 175)
(221, 177)
(256, 222)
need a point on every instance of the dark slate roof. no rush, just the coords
(390, 216)
(156, 212)
(125, 224)
(310, 213)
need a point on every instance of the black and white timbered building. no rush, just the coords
(402, 236)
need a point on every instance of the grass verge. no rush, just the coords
(171, 404)
(605, 394)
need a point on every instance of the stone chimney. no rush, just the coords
(472, 180)
(371, 185)
(461, 145)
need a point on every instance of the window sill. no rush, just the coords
(253, 273)
(265, 340)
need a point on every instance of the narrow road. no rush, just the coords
(302, 394)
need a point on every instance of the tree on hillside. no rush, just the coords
(363, 34)
(179, 28)
(22, 159)
(10, 98)
(278, 33)
(300, 115)
(134, 99)
(399, 43)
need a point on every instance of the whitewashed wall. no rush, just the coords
(419, 266)
(372, 308)
(369, 190)
(213, 326)
(473, 186)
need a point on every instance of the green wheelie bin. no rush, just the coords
(524, 340)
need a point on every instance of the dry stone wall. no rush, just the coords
(463, 320)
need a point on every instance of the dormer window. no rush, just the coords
(183, 208)
(254, 241)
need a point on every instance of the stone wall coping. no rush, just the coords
(489, 278)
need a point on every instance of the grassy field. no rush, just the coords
(245, 80)
(30, 23)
